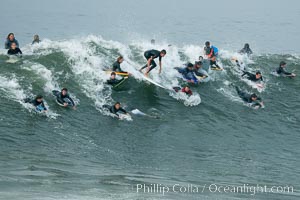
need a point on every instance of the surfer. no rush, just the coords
(36, 39)
(200, 72)
(117, 65)
(252, 99)
(281, 70)
(64, 98)
(38, 103)
(113, 80)
(115, 109)
(9, 40)
(186, 89)
(188, 73)
(201, 59)
(14, 50)
(253, 77)
(246, 50)
(211, 52)
(150, 55)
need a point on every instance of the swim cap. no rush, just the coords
(258, 72)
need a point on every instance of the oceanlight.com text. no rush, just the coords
(212, 188)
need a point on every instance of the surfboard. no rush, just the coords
(216, 69)
(206, 64)
(118, 73)
(151, 81)
(138, 112)
(200, 78)
(119, 84)
(55, 93)
(12, 59)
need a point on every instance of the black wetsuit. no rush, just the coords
(15, 51)
(62, 99)
(117, 67)
(39, 106)
(154, 54)
(246, 97)
(281, 70)
(115, 111)
(245, 50)
(252, 77)
(214, 64)
(114, 82)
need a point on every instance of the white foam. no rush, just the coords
(12, 90)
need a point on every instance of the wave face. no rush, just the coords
(85, 154)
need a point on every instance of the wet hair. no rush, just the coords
(163, 51)
(119, 58)
(117, 103)
(253, 95)
(13, 43)
(247, 45)
(113, 73)
(207, 43)
(282, 63)
(39, 97)
(64, 89)
(10, 35)
(36, 37)
(200, 57)
(190, 65)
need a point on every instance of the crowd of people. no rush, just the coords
(194, 73)
(13, 46)
(191, 73)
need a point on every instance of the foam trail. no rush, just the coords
(45, 73)
(12, 90)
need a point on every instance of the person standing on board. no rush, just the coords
(150, 55)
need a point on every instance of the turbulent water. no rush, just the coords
(209, 138)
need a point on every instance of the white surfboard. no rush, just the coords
(12, 59)
(151, 81)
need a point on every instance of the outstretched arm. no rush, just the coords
(122, 110)
(71, 100)
(246, 73)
